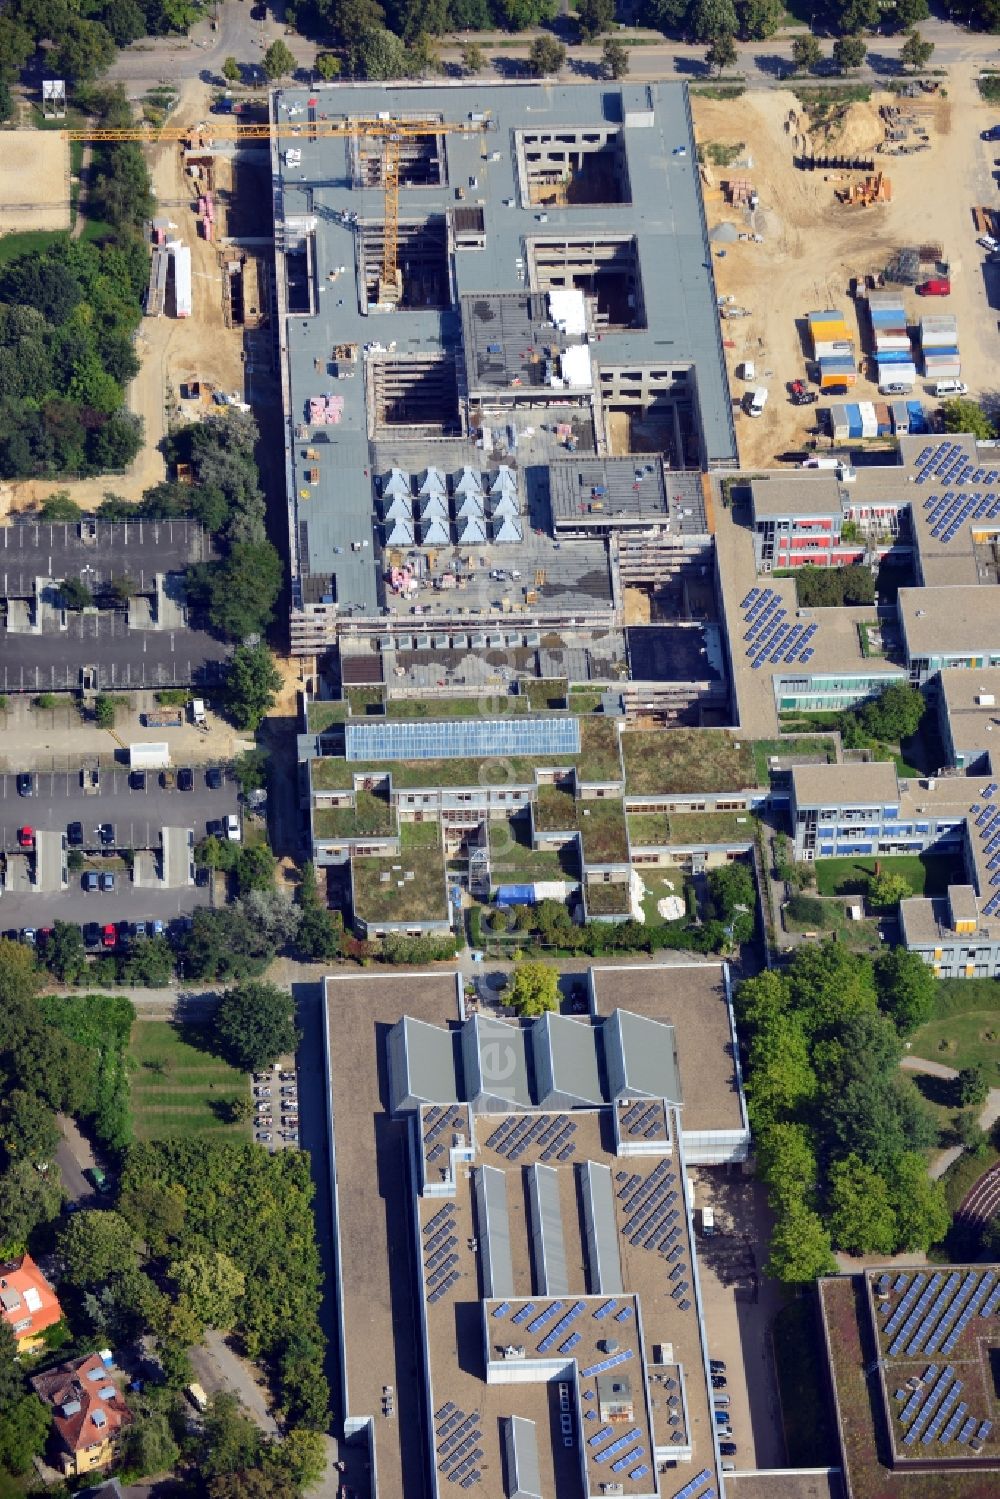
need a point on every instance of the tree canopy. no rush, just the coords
(255, 1025)
(533, 989)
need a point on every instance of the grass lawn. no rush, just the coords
(927, 874)
(514, 862)
(962, 1041)
(177, 1085)
(800, 1367)
(31, 242)
(324, 713)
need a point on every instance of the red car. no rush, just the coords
(26, 837)
(801, 396)
(109, 935)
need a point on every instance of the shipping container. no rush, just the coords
(894, 356)
(837, 421)
(869, 421)
(899, 340)
(894, 376)
(181, 256)
(917, 420)
(834, 349)
(883, 419)
(900, 418)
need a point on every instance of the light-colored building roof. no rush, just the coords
(972, 703)
(813, 494)
(950, 621)
(862, 784)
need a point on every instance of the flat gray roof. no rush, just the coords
(950, 621)
(607, 491)
(796, 494)
(864, 783)
(318, 195)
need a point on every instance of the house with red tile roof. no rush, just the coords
(28, 1304)
(88, 1412)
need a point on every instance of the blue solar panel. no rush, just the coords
(472, 738)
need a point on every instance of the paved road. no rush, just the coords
(217, 1367)
(764, 63)
(137, 816)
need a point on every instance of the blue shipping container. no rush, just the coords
(888, 317)
(916, 413)
(515, 895)
(894, 356)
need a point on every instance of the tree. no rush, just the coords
(230, 1440)
(94, 1245)
(278, 61)
(19, 976)
(75, 594)
(806, 53)
(148, 1445)
(759, 19)
(231, 70)
(379, 54)
(915, 53)
(329, 66)
(11, 1375)
(546, 57)
(28, 1130)
(906, 988)
(255, 866)
(861, 1215)
(781, 1077)
(226, 943)
(595, 17)
(920, 1205)
(887, 888)
(155, 1212)
(786, 1159)
(730, 887)
(213, 1285)
(849, 52)
(473, 58)
(906, 13)
(721, 53)
(240, 592)
(962, 415)
(300, 1458)
(59, 506)
(6, 100)
(252, 684)
(709, 19)
(800, 1247)
(858, 15)
(255, 1024)
(533, 989)
(971, 1087)
(28, 1198)
(83, 49)
(614, 58)
(105, 707)
(895, 714)
(65, 953)
(252, 1483)
(320, 932)
(24, 1430)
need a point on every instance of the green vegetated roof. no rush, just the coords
(416, 890)
(602, 823)
(555, 809)
(598, 760)
(663, 761)
(608, 899)
(495, 705)
(372, 816)
(320, 715)
(681, 829)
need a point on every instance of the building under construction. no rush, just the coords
(473, 285)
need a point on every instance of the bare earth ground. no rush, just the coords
(171, 350)
(34, 181)
(813, 245)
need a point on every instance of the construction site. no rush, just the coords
(823, 201)
(470, 311)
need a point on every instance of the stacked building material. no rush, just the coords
(939, 346)
(891, 339)
(833, 350)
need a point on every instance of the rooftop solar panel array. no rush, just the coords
(457, 1445)
(550, 1134)
(770, 637)
(959, 502)
(650, 1217)
(464, 739)
(645, 1119)
(695, 1487)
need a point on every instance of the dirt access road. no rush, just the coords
(812, 245)
(172, 350)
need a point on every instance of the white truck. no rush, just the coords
(707, 1222)
(148, 756)
(757, 401)
(198, 711)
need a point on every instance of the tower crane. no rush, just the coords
(390, 130)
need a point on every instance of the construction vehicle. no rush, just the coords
(390, 131)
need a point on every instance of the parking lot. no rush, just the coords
(58, 800)
(127, 902)
(276, 1105)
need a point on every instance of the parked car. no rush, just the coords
(107, 833)
(719, 1382)
(137, 780)
(992, 134)
(157, 927)
(987, 242)
(262, 1135)
(26, 837)
(213, 778)
(29, 935)
(108, 881)
(185, 779)
(291, 1135)
(74, 834)
(168, 780)
(89, 881)
(92, 934)
(232, 828)
(717, 1365)
(727, 1449)
(139, 929)
(288, 1077)
(26, 783)
(109, 935)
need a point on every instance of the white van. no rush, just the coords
(951, 388)
(747, 370)
(758, 400)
